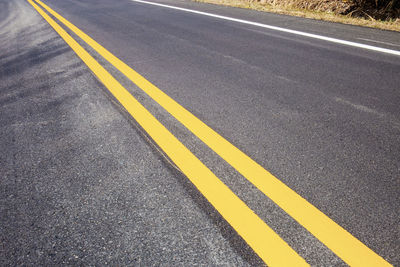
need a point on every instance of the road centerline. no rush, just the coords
(271, 248)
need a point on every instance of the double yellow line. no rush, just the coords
(261, 238)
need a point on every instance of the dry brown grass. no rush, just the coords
(310, 9)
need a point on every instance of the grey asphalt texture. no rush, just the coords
(81, 184)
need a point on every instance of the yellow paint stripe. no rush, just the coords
(341, 242)
(265, 242)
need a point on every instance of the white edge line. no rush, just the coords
(379, 42)
(310, 35)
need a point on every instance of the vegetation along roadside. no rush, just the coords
(381, 14)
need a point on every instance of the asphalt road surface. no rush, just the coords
(83, 183)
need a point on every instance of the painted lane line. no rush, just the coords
(275, 28)
(264, 241)
(341, 242)
(378, 42)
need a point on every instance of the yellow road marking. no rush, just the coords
(265, 242)
(341, 242)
